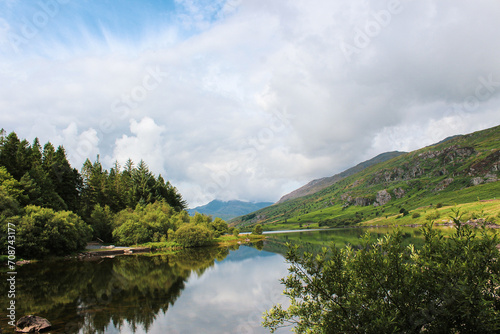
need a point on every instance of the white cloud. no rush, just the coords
(256, 97)
(79, 146)
(146, 144)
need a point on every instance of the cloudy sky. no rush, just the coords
(247, 99)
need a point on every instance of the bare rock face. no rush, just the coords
(32, 324)
(491, 177)
(476, 181)
(443, 184)
(361, 201)
(399, 192)
(346, 197)
(382, 197)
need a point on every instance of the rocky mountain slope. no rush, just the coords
(325, 182)
(457, 170)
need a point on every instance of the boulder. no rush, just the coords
(476, 181)
(32, 324)
(399, 192)
(361, 201)
(443, 184)
(382, 197)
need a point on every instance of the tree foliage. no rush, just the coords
(101, 221)
(450, 285)
(43, 231)
(160, 222)
(49, 181)
(40, 191)
(257, 229)
(193, 235)
(146, 223)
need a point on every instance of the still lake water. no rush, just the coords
(209, 290)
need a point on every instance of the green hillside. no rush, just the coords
(459, 170)
(320, 184)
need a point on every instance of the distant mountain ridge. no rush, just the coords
(228, 209)
(325, 182)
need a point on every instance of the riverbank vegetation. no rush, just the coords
(52, 208)
(447, 285)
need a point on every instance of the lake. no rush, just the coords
(208, 290)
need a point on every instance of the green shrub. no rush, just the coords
(449, 285)
(257, 229)
(219, 227)
(147, 223)
(432, 216)
(191, 235)
(415, 215)
(133, 232)
(42, 231)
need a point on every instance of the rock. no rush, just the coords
(361, 201)
(382, 197)
(443, 184)
(491, 177)
(31, 324)
(346, 197)
(399, 192)
(476, 181)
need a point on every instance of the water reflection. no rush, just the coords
(314, 240)
(211, 290)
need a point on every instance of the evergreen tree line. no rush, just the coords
(56, 209)
(49, 180)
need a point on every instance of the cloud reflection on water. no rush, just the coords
(230, 297)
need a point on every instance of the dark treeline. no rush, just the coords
(55, 208)
(49, 180)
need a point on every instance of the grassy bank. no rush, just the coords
(222, 241)
(488, 209)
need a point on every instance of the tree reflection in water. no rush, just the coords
(88, 296)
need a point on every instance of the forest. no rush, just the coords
(47, 207)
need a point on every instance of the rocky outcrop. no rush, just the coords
(346, 197)
(361, 201)
(491, 177)
(450, 154)
(358, 201)
(383, 197)
(443, 184)
(476, 181)
(490, 164)
(399, 192)
(32, 324)
(404, 173)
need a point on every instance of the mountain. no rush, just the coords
(229, 209)
(319, 184)
(457, 170)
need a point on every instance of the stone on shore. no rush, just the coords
(32, 324)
